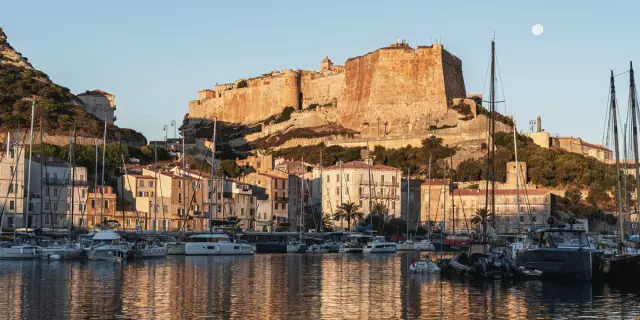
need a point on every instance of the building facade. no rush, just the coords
(100, 104)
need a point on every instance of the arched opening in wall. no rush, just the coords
(300, 99)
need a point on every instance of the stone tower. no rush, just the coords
(326, 65)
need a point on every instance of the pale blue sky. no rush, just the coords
(155, 55)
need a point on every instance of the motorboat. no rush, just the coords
(22, 247)
(315, 245)
(144, 249)
(476, 263)
(453, 243)
(61, 251)
(407, 245)
(106, 245)
(380, 245)
(424, 266)
(215, 244)
(333, 246)
(296, 246)
(563, 254)
(355, 243)
(174, 247)
(423, 245)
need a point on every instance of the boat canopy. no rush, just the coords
(106, 235)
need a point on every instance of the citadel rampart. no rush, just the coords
(398, 87)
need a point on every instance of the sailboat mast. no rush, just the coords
(95, 189)
(453, 204)
(68, 185)
(302, 195)
(490, 149)
(184, 187)
(26, 210)
(493, 128)
(321, 213)
(444, 209)
(15, 181)
(340, 205)
(213, 176)
(104, 155)
(72, 159)
(515, 148)
(369, 163)
(41, 171)
(408, 193)
(634, 105)
(614, 115)
(429, 201)
(155, 189)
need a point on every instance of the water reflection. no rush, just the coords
(331, 286)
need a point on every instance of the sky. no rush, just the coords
(156, 55)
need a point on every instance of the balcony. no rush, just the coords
(380, 196)
(365, 182)
(281, 199)
(63, 182)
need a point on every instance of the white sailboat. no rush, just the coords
(216, 243)
(380, 245)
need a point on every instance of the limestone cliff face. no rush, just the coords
(399, 89)
(8, 55)
(395, 90)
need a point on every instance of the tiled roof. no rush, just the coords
(272, 176)
(140, 176)
(359, 164)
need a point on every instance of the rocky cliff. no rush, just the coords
(57, 109)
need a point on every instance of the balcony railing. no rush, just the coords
(64, 182)
(281, 199)
(380, 196)
(374, 183)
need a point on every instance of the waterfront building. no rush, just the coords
(361, 182)
(275, 185)
(13, 187)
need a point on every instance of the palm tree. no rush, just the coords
(480, 215)
(380, 209)
(349, 211)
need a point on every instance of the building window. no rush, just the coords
(533, 219)
(337, 178)
(139, 193)
(55, 206)
(242, 211)
(284, 206)
(12, 205)
(165, 208)
(141, 184)
(30, 206)
(521, 219)
(55, 191)
(179, 197)
(146, 193)
(106, 204)
(46, 206)
(83, 193)
(328, 178)
(11, 188)
(150, 184)
(128, 221)
(180, 184)
(338, 191)
(347, 177)
(382, 179)
(82, 177)
(93, 204)
(275, 205)
(80, 207)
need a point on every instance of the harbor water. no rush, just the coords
(293, 286)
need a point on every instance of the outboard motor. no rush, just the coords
(505, 262)
(483, 263)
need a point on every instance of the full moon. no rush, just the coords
(537, 29)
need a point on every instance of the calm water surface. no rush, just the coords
(330, 286)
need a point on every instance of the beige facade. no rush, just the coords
(13, 186)
(100, 104)
(362, 184)
(275, 186)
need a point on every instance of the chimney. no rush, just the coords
(539, 122)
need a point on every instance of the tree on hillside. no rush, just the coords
(471, 170)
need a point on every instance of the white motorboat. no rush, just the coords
(61, 252)
(318, 248)
(19, 251)
(355, 243)
(380, 245)
(174, 247)
(424, 245)
(145, 250)
(408, 245)
(424, 266)
(215, 244)
(106, 245)
(295, 246)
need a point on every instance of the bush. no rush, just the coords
(241, 84)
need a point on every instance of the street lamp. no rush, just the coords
(164, 128)
(175, 128)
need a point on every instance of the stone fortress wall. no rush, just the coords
(398, 87)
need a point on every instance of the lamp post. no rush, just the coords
(164, 128)
(531, 124)
(175, 128)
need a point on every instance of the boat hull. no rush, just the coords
(271, 248)
(216, 249)
(449, 247)
(405, 246)
(623, 271)
(17, 253)
(562, 264)
(107, 254)
(175, 248)
(60, 253)
(150, 253)
(380, 248)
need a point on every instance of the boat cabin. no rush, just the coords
(210, 237)
(561, 238)
(105, 238)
